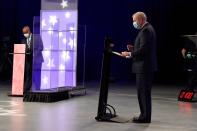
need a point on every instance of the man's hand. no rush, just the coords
(126, 54)
(130, 48)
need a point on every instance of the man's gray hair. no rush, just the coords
(141, 15)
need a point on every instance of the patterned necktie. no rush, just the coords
(28, 43)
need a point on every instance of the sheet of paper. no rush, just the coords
(117, 53)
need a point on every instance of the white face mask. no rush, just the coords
(26, 35)
(135, 24)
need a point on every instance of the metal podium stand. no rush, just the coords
(107, 112)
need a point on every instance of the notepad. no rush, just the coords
(117, 53)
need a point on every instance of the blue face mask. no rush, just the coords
(136, 25)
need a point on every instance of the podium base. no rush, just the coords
(12, 95)
(115, 119)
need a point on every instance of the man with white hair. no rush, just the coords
(144, 64)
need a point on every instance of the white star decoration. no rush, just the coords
(67, 14)
(60, 34)
(71, 43)
(72, 30)
(43, 23)
(50, 30)
(53, 20)
(65, 55)
(50, 63)
(46, 54)
(45, 80)
(64, 4)
(64, 40)
(61, 67)
(75, 43)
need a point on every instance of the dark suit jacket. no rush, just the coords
(144, 54)
(24, 41)
(36, 48)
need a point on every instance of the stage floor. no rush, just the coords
(78, 113)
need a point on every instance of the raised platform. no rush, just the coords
(50, 96)
(53, 95)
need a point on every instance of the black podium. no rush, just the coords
(103, 107)
(107, 112)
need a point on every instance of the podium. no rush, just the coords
(102, 114)
(105, 111)
(18, 70)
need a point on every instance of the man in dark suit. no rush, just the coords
(33, 60)
(28, 41)
(144, 64)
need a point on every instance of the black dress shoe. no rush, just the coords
(140, 120)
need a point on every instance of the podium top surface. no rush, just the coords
(19, 48)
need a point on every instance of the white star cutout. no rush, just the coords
(43, 23)
(60, 34)
(65, 55)
(61, 67)
(50, 63)
(71, 43)
(68, 15)
(64, 41)
(50, 30)
(64, 4)
(72, 30)
(53, 20)
(45, 80)
(46, 54)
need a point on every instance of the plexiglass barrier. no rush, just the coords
(58, 62)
